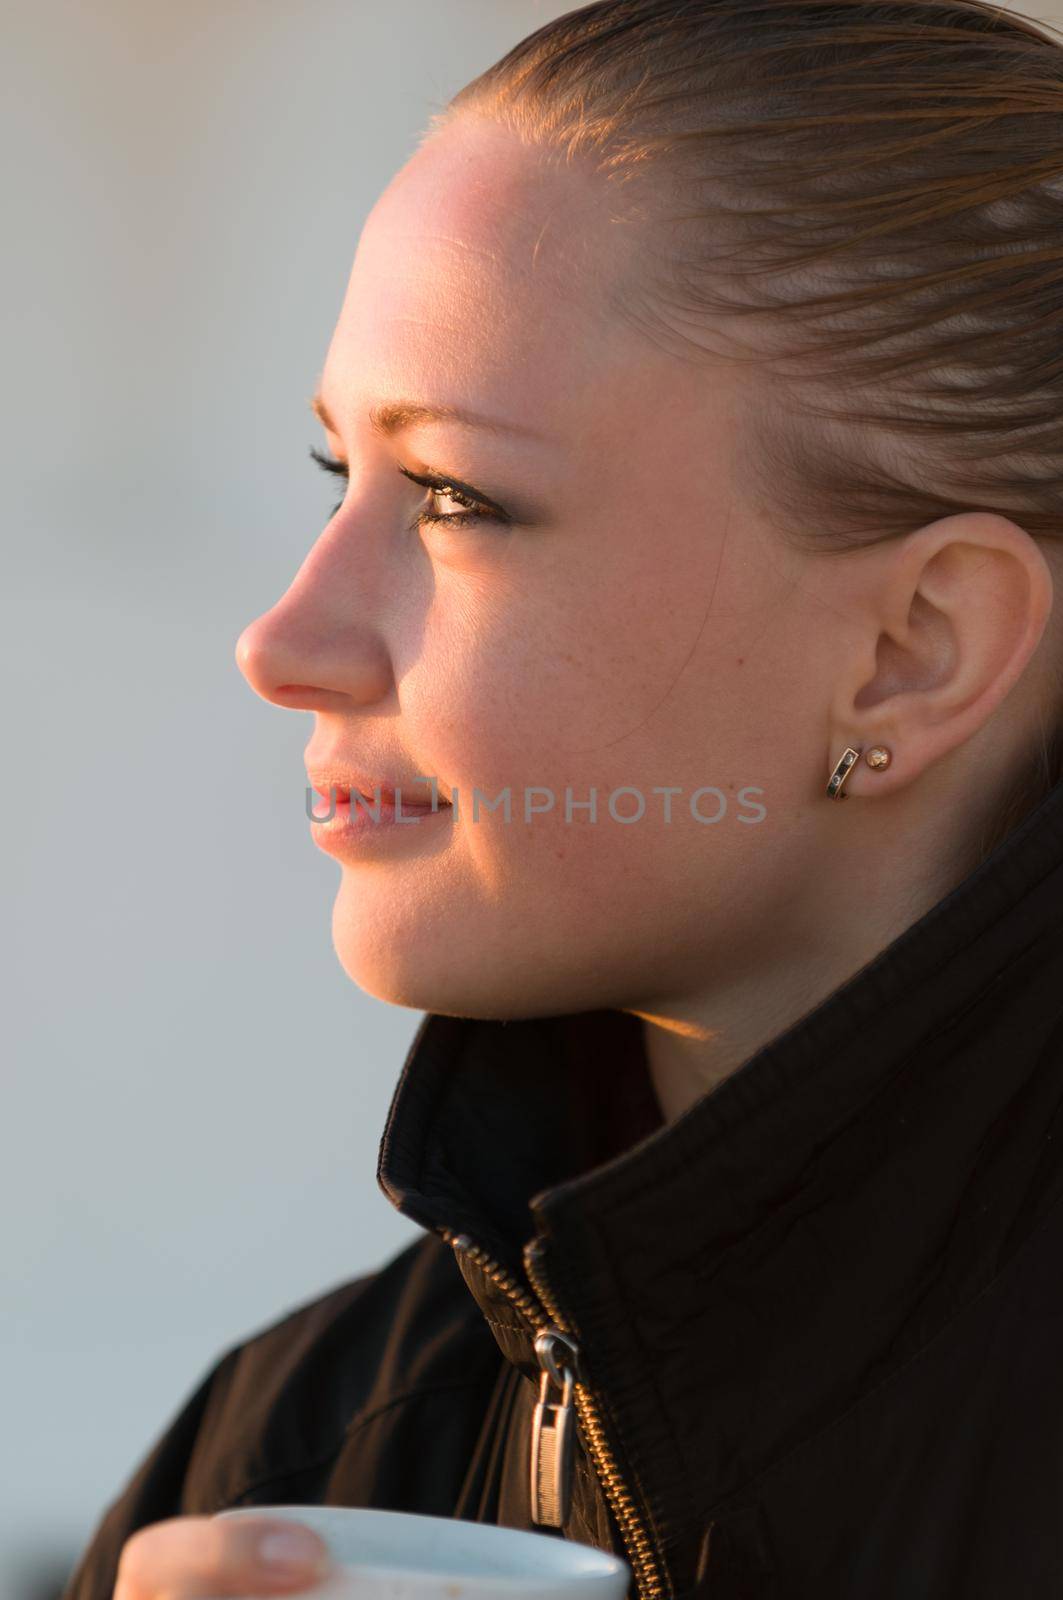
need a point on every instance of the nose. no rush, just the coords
(316, 648)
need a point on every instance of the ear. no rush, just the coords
(957, 610)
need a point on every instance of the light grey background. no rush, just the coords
(194, 1091)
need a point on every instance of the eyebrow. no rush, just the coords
(397, 415)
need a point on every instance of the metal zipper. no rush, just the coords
(650, 1580)
(552, 1436)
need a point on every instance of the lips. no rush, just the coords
(343, 782)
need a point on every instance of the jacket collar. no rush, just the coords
(737, 1277)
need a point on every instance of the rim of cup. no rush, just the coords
(569, 1559)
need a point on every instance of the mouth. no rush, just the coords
(342, 785)
(358, 817)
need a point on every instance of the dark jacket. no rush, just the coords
(817, 1321)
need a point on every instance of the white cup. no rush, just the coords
(401, 1555)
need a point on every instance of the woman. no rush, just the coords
(697, 402)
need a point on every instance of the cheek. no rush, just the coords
(587, 665)
(610, 657)
(633, 673)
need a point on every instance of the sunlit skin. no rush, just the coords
(637, 624)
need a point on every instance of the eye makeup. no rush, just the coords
(477, 507)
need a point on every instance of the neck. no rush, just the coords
(872, 890)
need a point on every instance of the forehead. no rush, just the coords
(482, 272)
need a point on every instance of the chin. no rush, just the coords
(412, 978)
(432, 970)
(411, 964)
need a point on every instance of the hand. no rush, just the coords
(185, 1557)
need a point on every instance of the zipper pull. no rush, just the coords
(553, 1430)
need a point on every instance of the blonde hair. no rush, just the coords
(874, 188)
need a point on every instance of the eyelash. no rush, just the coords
(476, 512)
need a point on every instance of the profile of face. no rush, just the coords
(609, 614)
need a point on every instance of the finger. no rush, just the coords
(187, 1557)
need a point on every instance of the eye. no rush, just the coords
(476, 509)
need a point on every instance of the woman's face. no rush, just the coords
(631, 625)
